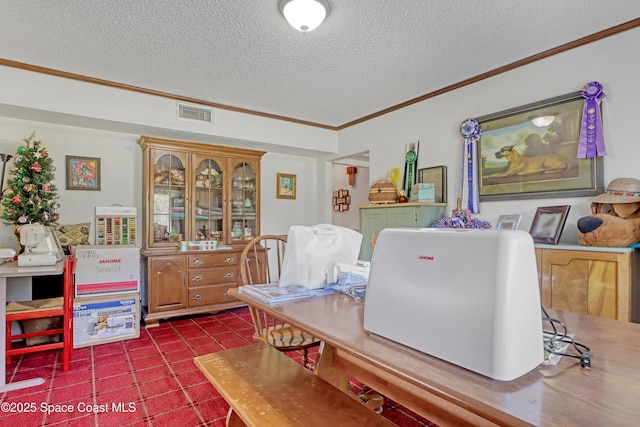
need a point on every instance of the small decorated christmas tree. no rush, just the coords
(31, 195)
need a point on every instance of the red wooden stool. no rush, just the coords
(42, 309)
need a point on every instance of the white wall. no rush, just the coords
(121, 177)
(435, 122)
(278, 214)
(121, 160)
(79, 118)
(75, 117)
(41, 97)
(359, 193)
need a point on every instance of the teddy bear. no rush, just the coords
(103, 322)
(615, 221)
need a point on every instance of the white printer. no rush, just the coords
(467, 296)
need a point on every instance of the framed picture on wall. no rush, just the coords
(285, 186)
(83, 173)
(529, 152)
(437, 176)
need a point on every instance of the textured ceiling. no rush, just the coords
(367, 56)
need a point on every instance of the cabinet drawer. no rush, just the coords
(213, 294)
(205, 276)
(213, 260)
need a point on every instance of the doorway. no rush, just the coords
(356, 184)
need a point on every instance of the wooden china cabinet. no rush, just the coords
(194, 191)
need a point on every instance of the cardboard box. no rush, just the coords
(423, 192)
(107, 270)
(103, 320)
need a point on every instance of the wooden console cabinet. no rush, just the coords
(195, 191)
(603, 282)
(181, 284)
(374, 218)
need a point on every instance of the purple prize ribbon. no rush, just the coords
(591, 140)
(470, 131)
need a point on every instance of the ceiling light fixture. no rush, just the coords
(304, 15)
(543, 121)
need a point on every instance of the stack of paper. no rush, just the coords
(272, 293)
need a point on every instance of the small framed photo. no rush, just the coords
(83, 173)
(285, 186)
(548, 223)
(437, 176)
(509, 222)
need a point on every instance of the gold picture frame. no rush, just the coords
(285, 186)
(83, 173)
(518, 159)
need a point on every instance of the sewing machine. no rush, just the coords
(41, 246)
(469, 297)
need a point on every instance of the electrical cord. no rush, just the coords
(554, 340)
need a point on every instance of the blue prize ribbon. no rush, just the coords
(470, 131)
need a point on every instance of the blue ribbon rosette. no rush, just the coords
(470, 131)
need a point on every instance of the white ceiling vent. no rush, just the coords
(198, 114)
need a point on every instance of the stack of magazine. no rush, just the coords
(272, 293)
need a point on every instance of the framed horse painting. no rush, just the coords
(530, 152)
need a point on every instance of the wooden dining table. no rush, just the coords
(564, 394)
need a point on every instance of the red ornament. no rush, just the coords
(36, 167)
(45, 154)
(16, 200)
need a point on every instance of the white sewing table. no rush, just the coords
(11, 269)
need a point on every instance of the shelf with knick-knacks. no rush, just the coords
(199, 191)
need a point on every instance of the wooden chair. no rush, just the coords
(43, 309)
(260, 262)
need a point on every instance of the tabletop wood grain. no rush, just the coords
(560, 395)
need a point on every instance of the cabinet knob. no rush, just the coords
(228, 260)
(197, 261)
(197, 278)
(228, 275)
(197, 297)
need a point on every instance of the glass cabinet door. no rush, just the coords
(243, 202)
(168, 202)
(208, 200)
(199, 192)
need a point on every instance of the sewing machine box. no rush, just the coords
(107, 270)
(101, 320)
(423, 192)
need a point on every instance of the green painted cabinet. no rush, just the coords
(374, 218)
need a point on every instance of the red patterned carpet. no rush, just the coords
(149, 381)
